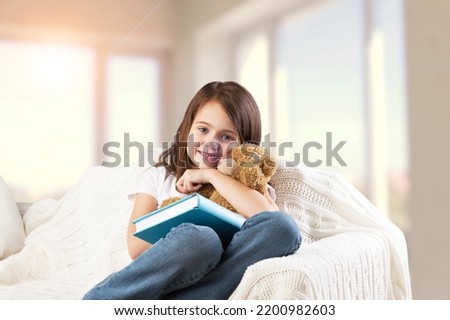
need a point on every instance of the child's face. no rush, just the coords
(212, 136)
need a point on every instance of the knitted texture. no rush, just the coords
(349, 250)
(75, 242)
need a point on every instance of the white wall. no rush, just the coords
(428, 67)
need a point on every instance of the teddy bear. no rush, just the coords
(249, 163)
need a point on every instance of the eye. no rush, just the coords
(227, 137)
(202, 129)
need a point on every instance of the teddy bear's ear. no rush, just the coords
(268, 163)
(259, 156)
(250, 152)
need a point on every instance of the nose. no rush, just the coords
(212, 147)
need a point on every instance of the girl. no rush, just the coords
(190, 263)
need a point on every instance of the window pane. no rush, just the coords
(389, 21)
(252, 62)
(46, 103)
(320, 85)
(133, 103)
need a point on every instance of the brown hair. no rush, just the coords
(237, 102)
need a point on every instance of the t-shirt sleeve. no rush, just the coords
(156, 182)
(147, 183)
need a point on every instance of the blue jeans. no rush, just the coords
(190, 263)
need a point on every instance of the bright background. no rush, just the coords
(75, 75)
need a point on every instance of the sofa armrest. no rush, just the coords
(350, 265)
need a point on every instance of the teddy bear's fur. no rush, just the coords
(250, 164)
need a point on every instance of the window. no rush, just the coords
(331, 77)
(319, 63)
(252, 62)
(46, 105)
(49, 113)
(132, 104)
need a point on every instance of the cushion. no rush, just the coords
(12, 234)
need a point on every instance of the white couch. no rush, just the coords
(349, 250)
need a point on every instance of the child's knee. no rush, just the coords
(280, 226)
(204, 239)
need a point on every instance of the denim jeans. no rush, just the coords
(190, 263)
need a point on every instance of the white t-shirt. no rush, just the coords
(158, 183)
(161, 185)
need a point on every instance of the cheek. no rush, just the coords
(228, 147)
(192, 143)
(195, 139)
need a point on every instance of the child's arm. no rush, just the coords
(245, 200)
(144, 204)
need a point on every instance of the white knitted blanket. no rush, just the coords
(350, 251)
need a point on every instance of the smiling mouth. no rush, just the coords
(210, 157)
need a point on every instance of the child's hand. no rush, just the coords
(193, 179)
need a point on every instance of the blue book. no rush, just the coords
(195, 209)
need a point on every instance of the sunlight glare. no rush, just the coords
(46, 103)
(52, 67)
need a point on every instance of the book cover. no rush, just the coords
(194, 209)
